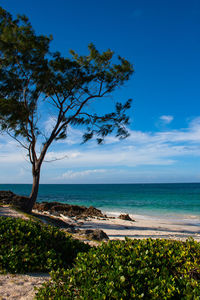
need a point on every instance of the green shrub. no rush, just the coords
(131, 269)
(27, 246)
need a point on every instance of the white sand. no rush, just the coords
(178, 227)
(15, 287)
(145, 227)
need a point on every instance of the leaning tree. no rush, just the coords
(30, 74)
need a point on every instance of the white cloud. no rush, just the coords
(49, 124)
(139, 149)
(166, 119)
(75, 136)
(77, 174)
(127, 156)
(186, 135)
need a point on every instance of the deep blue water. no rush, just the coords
(143, 199)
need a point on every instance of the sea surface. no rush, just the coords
(178, 200)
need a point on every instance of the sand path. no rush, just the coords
(20, 286)
(6, 211)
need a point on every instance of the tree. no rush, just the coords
(30, 74)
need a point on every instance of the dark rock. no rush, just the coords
(81, 218)
(85, 231)
(96, 234)
(9, 198)
(6, 196)
(71, 230)
(125, 217)
(55, 208)
(69, 210)
(92, 211)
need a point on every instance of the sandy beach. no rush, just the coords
(141, 227)
(145, 228)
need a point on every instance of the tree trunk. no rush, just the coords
(34, 192)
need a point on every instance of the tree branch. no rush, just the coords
(17, 140)
(55, 159)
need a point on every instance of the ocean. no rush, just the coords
(175, 201)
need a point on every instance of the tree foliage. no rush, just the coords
(31, 75)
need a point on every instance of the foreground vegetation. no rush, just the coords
(27, 246)
(130, 269)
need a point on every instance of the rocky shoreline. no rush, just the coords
(64, 216)
(54, 208)
(9, 198)
(80, 212)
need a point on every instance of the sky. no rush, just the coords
(162, 41)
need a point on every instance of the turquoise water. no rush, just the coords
(142, 199)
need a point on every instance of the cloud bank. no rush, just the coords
(146, 150)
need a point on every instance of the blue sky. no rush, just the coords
(162, 40)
